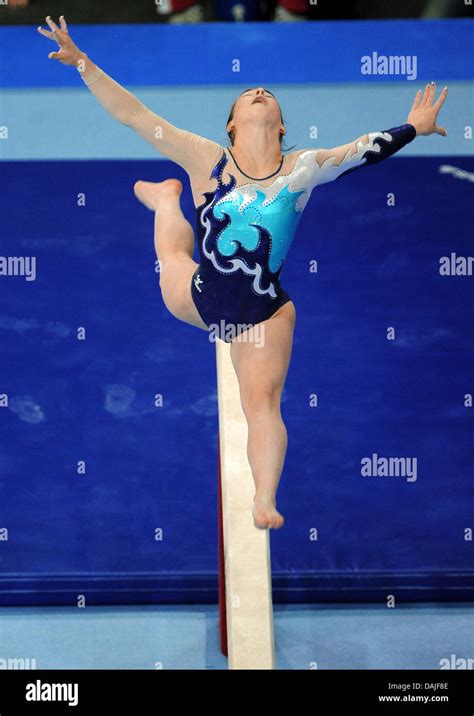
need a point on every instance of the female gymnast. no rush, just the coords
(249, 198)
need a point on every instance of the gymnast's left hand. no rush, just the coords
(424, 111)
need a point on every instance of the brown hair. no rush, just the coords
(231, 134)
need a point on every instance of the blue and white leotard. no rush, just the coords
(244, 233)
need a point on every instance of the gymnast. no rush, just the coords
(249, 198)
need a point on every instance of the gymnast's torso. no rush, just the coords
(244, 229)
(245, 226)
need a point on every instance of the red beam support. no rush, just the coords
(220, 528)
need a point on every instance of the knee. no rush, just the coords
(260, 400)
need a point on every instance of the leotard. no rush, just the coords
(245, 231)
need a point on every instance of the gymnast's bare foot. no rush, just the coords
(265, 514)
(151, 193)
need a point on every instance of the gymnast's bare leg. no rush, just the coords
(261, 371)
(174, 245)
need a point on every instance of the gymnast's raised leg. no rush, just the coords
(174, 245)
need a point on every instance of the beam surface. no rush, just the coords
(247, 565)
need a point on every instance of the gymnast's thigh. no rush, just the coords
(262, 365)
(175, 284)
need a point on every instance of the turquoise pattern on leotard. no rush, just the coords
(277, 215)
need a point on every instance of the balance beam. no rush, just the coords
(245, 578)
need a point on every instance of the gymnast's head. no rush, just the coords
(257, 105)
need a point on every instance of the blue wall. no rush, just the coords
(150, 467)
(311, 52)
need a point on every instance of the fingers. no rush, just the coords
(416, 101)
(52, 24)
(57, 34)
(441, 99)
(54, 56)
(424, 99)
(432, 93)
(441, 130)
(46, 33)
(428, 95)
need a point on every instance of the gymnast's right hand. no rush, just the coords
(68, 53)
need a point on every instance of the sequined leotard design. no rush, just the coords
(244, 233)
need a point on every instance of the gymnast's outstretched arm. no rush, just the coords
(376, 146)
(189, 150)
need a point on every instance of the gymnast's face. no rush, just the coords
(256, 105)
